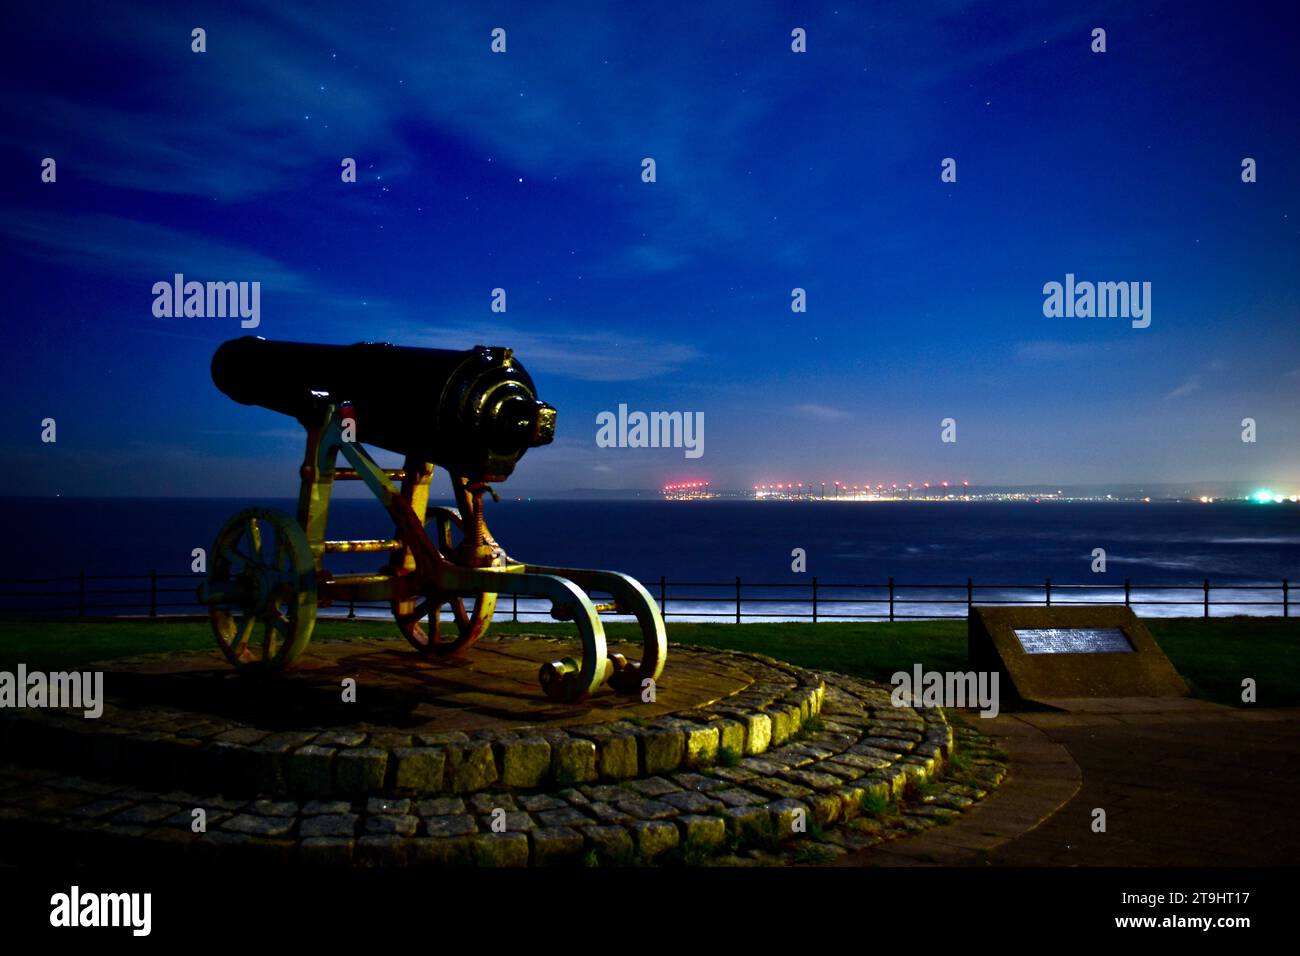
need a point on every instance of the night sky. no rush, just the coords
(775, 170)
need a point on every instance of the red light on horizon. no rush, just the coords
(690, 486)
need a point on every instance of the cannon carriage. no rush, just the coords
(474, 413)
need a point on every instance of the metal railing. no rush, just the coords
(91, 594)
(892, 599)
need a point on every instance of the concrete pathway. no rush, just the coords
(1183, 783)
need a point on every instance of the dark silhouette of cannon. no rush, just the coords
(472, 412)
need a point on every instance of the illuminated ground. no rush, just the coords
(467, 763)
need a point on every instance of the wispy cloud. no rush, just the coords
(823, 412)
(646, 259)
(1187, 387)
(593, 356)
(112, 245)
(279, 98)
(1055, 351)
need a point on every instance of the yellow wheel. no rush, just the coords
(261, 589)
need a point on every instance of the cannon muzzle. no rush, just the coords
(474, 412)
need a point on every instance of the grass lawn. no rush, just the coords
(1213, 655)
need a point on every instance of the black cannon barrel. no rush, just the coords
(474, 412)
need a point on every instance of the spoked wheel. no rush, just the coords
(419, 619)
(261, 589)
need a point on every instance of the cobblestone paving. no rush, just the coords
(798, 768)
(158, 744)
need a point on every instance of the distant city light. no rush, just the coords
(687, 490)
(912, 491)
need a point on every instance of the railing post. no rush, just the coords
(1207, 597)
(352, 608)
(153, 592)
(514, 610)
(1047, 591)
(737, 599)
(81, 593)
(891, 598)
(1128, 592)
(1286, 611)
(970, 594)
(814, 587)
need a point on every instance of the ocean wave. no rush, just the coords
(1171, 564)
(1269, 540)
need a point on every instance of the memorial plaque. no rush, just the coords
(1051, 655)
(1073, 640)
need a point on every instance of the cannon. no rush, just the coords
(474, 413)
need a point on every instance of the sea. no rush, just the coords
(136, 555)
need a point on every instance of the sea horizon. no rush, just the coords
(1007, 550)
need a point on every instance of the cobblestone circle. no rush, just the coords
(795, 754)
